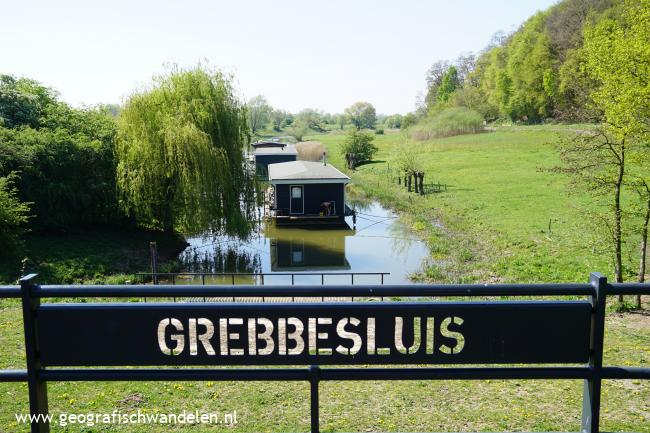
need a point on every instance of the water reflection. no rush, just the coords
(296, 249)
(380, 243)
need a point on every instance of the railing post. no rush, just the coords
(37, 387)
(592, 386)
(313, 401)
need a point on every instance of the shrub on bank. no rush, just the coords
(449, 122)
(310, 150)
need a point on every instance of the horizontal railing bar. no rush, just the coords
(328, 374)
(13, 375)
(625, 373)
(145, 274)
(628, 289)
(9, 292)
(67, 291)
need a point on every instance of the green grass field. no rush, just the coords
(492, 221)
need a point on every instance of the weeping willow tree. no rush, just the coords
(179, 151)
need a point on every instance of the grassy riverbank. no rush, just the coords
(99, 255)
(501, 217)
(494, 405)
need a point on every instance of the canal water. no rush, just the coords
(378, 243)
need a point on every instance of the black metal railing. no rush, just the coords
(593, 372)
(260, 277)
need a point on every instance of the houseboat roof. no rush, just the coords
(287, 149)
(305, 172)
(271, 143)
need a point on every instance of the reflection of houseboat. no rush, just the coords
(308, 192)
(308, 250)
(266, 153)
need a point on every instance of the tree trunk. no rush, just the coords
(422, 183)
(410, 177)
(644, 248)
(618, 267)
(416, 186)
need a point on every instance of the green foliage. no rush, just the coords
(449, 122)
(448, 84)
(408, 120)
(617, 52)
(259, 113)
(360, 144)
(280, 119)
(14, 214)
(298, 131)
(379, 131)
(406, 158)
(63, 158)
(311, 119)
(393, 121)
(534, 74)
(23, 102)
(179, 149)
(362, 115)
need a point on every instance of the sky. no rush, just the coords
(297, 53)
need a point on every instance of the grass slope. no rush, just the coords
(492, 221)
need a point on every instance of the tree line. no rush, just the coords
(538, 72)
(612, 162)
(170, 158)
(264, 118)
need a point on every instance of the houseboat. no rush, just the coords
(270, 153)
(308, 192)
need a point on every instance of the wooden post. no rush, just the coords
(422, 183)
(153, 251)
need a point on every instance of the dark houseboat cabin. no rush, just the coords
(306, 191)
(271, 153)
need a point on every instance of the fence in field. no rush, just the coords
(472, 331)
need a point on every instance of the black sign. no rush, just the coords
(318, 333)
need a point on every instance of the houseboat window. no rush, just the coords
(296, 192)
(297, 256)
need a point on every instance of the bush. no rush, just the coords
(379, 131)
(359, 143)
(449, 122)
(310, 150)
(408, 120)
(298, 132)
(13, 216)
(63, 157)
